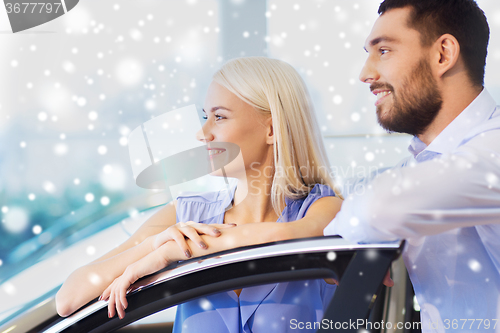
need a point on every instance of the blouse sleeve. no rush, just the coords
(319, 191)
(198, 207)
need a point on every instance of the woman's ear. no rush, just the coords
(270, 131)
(447, 54)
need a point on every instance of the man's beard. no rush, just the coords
(415, 104)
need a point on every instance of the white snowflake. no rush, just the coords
(105, 201)
(89, 197)
(102, 150)
(37, 229)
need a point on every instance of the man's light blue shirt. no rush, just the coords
(445, 200)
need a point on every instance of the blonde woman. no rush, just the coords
(262, 106)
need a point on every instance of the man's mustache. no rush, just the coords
(381, 85)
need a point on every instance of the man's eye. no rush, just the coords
(383, 51)
(205, 117)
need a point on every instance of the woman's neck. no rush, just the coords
(252, 200)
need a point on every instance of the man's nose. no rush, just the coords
(368, 73)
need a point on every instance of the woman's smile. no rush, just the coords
(212, 152)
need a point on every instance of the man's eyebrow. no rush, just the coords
(215, 108)
(381, 39)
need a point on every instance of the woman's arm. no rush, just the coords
(319, 214)
(87, 282)
(157, 223)
(317, 217)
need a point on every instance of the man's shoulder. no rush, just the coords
(486, 133)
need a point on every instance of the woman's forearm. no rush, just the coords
(246, 234)
(88, 282)
(242, 235)
(264, 232)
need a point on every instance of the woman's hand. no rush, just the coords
(117, 293)
(181, 231)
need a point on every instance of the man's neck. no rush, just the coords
(455, 100)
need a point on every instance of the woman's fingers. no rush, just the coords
(191, 230)
(117, 298)
(111, 304)
(193, 235)
(207, 229)
(178, 237)
(119, 306)
(123, 297)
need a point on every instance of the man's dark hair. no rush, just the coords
(462, 19)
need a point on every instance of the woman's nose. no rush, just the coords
(204, 134)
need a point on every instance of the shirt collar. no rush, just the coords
(450, 138)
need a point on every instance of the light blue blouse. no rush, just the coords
(275, 307)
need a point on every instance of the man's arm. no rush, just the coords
(458, 190)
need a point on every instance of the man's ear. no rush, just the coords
(270, 131)
(447, 53)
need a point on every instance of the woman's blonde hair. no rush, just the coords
(274, 87)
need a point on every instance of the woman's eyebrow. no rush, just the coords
(215, 108)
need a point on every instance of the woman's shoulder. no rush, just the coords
(322, 190)
(318, 191)
(297, 208)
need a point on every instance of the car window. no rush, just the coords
(51, 263)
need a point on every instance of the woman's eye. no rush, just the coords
(383, 51)
(217, 117)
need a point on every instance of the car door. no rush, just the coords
(359, 268)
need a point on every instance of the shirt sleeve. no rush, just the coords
(457, 190)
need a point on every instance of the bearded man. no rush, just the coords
(425, 64)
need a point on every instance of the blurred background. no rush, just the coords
(71, 91)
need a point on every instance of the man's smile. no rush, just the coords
(381, 94)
